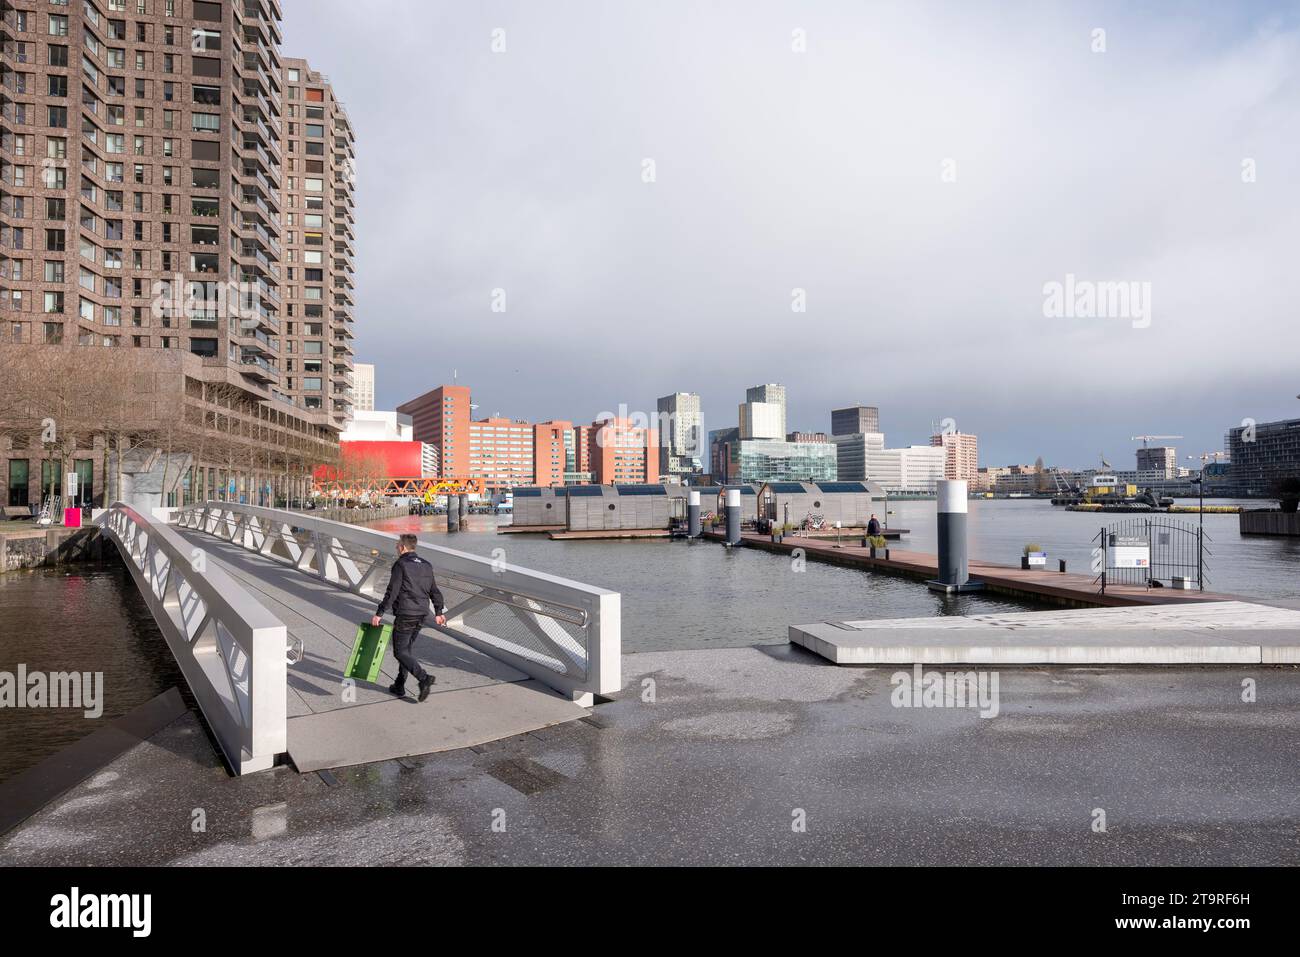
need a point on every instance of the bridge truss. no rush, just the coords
(425, 489)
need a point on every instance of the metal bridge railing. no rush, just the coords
(561, 632)
(229, 647)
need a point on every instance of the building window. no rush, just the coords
(18, 479)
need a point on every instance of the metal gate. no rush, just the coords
(1151, 552)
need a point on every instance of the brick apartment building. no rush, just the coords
(320, 158)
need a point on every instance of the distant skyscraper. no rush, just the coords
(1161, 459)
(771, 394)
(961, 452)
(681, 441)
(762, 420)
(363, 385)
(856, 419)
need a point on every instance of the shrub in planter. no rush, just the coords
(1033, 549)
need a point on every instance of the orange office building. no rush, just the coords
(441, 418)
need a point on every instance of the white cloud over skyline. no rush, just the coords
(822, 171)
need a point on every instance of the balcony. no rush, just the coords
(259, 260)
(253, 229)
(249, 198)
(257, 367)
(250, 336)
(254, 177)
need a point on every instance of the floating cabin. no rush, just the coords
(850, 503)
(539, 506)
(592, 508)
(623, 507)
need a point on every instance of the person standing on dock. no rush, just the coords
(873, 527)
(410, 590)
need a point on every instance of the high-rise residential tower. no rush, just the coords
(320, 164)
(961, 454)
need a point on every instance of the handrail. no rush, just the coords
(579, 616)
(562, 632)
(231, 650)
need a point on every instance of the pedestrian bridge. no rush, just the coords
(260, 608)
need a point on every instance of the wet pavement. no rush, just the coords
(760, 755)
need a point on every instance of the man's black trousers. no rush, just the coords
(405, 631)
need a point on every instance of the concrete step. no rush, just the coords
(1218, 633)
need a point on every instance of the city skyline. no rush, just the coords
(1122, 460)
(504, 181)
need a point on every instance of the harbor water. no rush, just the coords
(85, 618)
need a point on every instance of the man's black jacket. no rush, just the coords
(410, 589)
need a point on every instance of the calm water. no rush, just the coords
(679, 594)
(91, 619)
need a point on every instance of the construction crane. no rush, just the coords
(1145, 439)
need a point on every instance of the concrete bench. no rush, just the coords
(15, 512)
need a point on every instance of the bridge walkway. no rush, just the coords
(477, 698)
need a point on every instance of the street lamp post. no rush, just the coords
(1200, 534)
(1204, 457)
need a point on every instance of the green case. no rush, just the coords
(368, 652)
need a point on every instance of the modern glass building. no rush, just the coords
(1262, 454)
(766, 460)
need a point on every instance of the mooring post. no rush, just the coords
(954, 568)
(453, 513)
(693, 513)
(733, 516)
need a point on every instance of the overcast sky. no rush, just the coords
(920, 171)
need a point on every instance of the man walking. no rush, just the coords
(410, 589)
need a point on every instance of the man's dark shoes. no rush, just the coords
(397, 690)
(426, 686)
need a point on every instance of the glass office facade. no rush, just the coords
(764, 460)
(1262, 454)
